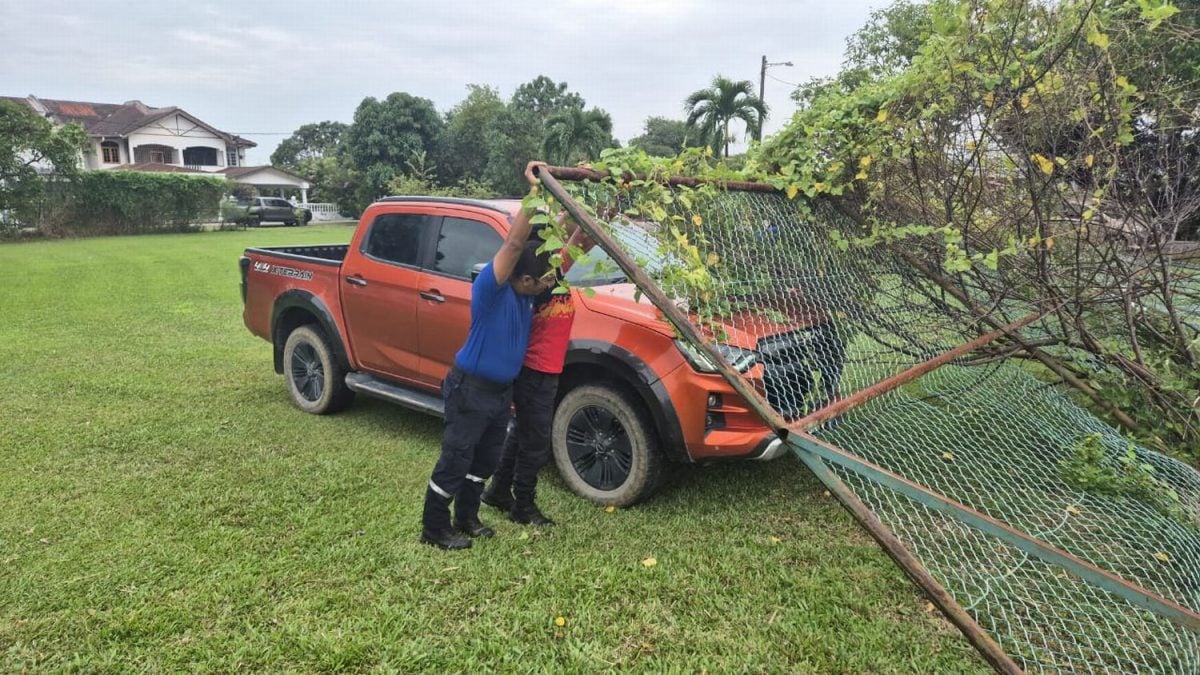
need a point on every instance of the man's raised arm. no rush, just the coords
(518, 234)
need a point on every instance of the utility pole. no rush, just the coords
(762, 79)
(762, 85)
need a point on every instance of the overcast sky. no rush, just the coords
(262, 69)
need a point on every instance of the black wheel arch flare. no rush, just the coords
(627, 367)
(285, 316)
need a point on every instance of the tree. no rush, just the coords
(332, 180)
(709, 111)
(575, 134)
(543, 97)
(665, 137)
(518, 134)
(385, 136)
(1029, 153)
(886, 45)
(514, 139)
(463, 146)
(889, 41)
(29, 146)
(310, 141)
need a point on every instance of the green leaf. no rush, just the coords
(1156, 11)
(532, 202)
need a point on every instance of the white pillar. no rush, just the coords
(304, 196)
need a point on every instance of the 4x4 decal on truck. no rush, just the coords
(280, 270)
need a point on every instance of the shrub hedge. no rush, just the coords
(126, 202)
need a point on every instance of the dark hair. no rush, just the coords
(531, 262)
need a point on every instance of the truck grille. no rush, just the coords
(801, 369)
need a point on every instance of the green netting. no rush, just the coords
(1010, 437)
(808, 321)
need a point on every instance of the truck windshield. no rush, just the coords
(599, 269)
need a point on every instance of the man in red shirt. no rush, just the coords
(527, 448)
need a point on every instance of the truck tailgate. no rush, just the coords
(270, 273)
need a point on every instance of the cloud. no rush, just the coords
(311, 61)
(206, 40)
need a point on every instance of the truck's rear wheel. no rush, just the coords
(605, 447)
(315, 378)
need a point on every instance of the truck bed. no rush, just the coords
(324, 254)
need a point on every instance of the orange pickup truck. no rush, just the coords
(384, 316)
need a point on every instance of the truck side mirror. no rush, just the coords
(476, 269)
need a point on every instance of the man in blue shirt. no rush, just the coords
(478, 389)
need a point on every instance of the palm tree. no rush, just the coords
(709, 111)
(575, 133)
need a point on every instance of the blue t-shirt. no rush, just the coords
(500, 319)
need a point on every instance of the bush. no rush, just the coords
(125, 202)
(233, 212)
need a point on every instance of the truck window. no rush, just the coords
(398, 237)
(462, 244)
(599, 269)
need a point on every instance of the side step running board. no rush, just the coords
(370, 385)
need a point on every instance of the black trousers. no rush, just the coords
(527, 448)
(477, 413)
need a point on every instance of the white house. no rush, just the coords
(132, 132)
(137, 137)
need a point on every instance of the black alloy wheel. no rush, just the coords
(308, 372)
(316, 378)
(605, 445)
(599, 447)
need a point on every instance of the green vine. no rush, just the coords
(1090, 469)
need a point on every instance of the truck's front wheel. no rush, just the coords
(605, 447)
(315, 378)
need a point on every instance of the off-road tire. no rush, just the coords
(648, 461)
(316, 379)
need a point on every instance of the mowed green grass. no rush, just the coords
(164, 507)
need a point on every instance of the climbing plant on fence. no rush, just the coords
(1034, 150)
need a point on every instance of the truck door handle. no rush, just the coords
(356, 280)
(432, 295)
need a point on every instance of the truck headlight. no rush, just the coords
(741, 359)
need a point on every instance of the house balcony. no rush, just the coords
(195, 158)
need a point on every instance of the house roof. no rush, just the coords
(235, 171)
(112, 119)
(239, 171)
(159, 167)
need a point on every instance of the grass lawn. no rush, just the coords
(164, 507)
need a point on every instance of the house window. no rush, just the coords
(195, 157)
(231, 157)
(110, 152)
(158, 156)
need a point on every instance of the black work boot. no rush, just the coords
(498, 496)
(473, 528)
(447, 539)
(466, 511)
(526, 512)
(435, 524)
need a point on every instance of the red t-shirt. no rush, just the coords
(550, 333)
